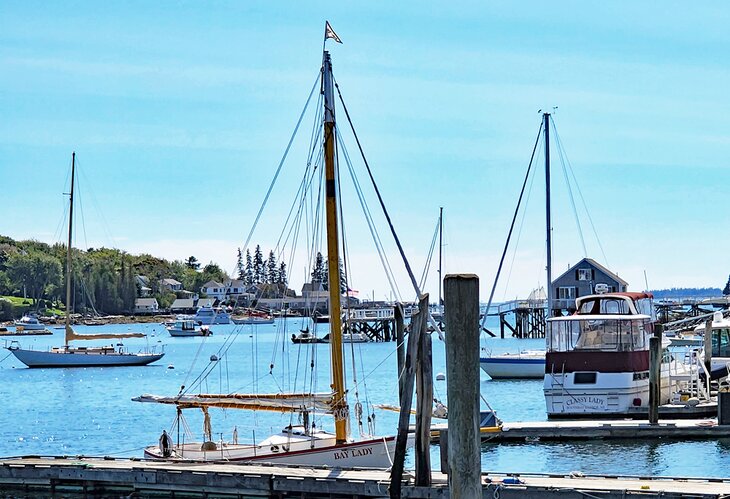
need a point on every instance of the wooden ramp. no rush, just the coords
(78, 477)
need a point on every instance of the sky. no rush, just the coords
(180, 112)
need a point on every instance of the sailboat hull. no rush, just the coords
(374, 453)
(82, 358)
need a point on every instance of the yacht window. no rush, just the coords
(584, 378)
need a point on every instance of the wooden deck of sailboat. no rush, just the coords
(75, 477)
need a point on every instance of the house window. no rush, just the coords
(585, 274)
(567, 293)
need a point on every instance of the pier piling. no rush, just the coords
(461, 306)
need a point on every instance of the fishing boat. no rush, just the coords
(597, 361)
(525, 364)
(302, 443)
(29, 323)
(188, 327)
(68, 356)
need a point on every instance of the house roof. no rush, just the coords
(183, 303)
(236, 283)
(170, 281)
(593, 263)
(143, 302)
(205, 302)
(212, 284)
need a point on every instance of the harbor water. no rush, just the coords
(89, 411)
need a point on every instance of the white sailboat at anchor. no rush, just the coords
(303, 442)
(69, 356)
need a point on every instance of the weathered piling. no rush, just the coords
(655, 362)
(708, 345)
(461, 306)
(400, 346)
(418, 325)
(424, 400)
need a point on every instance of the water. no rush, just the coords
(89, 411)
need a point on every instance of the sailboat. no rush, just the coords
(304, 443)
(68, 356)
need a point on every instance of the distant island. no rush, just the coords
(677, 293)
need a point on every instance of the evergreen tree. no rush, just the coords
(726, 289)
(248, 272)
(272, 269)
(258, 266)
(239, 266)
(192, 263)
(319, 270)
(343, 278)
(281, 277)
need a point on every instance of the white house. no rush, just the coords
(214, 289)
(146, 306)
(171, 284)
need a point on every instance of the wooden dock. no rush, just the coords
(617, 429)
(70, 477)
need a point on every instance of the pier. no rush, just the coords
(77, 477)
(529, 318)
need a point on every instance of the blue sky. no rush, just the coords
(180, 111)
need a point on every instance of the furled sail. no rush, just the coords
(277, 402)
(71, 335)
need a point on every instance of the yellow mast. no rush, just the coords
(69, 331)
(340, 408)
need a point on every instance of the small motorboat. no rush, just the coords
(188, 327)
(29, 323)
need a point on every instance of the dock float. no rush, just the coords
(76, 477)
(535, 431)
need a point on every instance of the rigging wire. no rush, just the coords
(521, 224)
(580, 195)
(512, 226)
(377, 241)
(570, 189)
(427, 266)
(281, 164)
(380, 197)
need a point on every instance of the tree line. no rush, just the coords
(104, 280)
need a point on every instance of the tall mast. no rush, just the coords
(548, 225)
(341, 410)
(69, 332)
(441, 233)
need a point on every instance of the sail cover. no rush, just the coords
(278, 402)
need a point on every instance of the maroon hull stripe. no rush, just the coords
(605, 362)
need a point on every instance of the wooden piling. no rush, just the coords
(708, 345)
(461, 292)
(424, 400)
(400, 346)
(655, 377)
(418, 324)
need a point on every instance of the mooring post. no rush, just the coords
(655, 363)
(461, 292)
(400, 347)
(424, 400)
(408, 376)
(708, 345)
